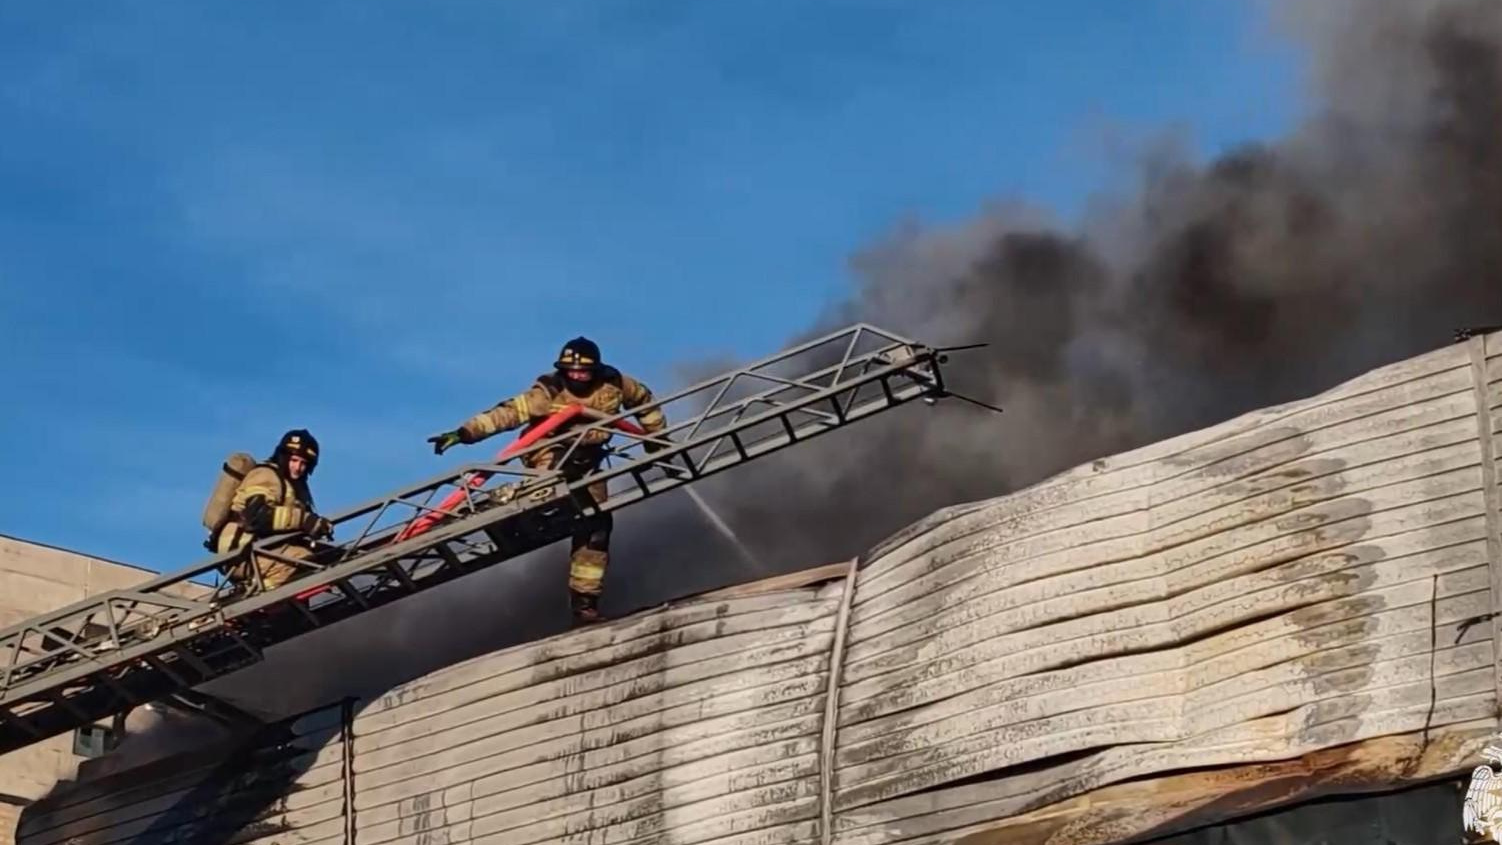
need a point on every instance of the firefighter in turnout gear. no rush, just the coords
(578, 377)
(273, 498)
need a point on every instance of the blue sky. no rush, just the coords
(219, 221)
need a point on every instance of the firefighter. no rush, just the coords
(578, 377)
(272, 499)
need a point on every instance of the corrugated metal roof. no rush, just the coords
(1249, 615)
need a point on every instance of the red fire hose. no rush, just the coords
(531, 436)
(528, 438)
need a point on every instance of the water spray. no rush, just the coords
(724, 528)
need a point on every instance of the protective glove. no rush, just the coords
(256, 516)
(445, 441)
(317, 527)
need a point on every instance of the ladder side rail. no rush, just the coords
(721, 462)
(393, 555)
(812, 397)
(95, 603)
(453, 477)
(383, 558)
(168, 639)
(770, 415)
(383, 592)
(373, 593)
(375, 555)
(609, 424)
(49, 629)
(750, 371)
(146, 649)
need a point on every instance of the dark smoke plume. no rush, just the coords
(1366, 236)
(1272, 273)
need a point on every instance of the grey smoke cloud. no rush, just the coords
(1367, 235)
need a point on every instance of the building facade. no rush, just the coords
(35, 579)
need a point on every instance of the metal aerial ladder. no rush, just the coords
(108, 654)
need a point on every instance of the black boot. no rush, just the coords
(586, 608)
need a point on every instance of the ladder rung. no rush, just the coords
(349, 590)
(63, 702)
(161, 666)
(119, 688)
(401, 575)
(188, 657)
(305, 611)
(449, 557)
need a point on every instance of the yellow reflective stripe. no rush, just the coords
(586, 571)
(286, 517)
(523, 413)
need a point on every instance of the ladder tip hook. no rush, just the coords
(932, 397)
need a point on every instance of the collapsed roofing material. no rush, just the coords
(1290, 603)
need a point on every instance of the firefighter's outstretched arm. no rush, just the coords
(505, 416)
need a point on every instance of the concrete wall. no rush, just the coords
(35, 579)
(10, 814)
